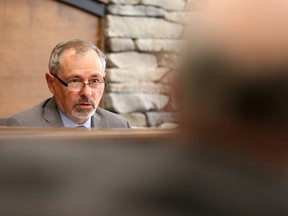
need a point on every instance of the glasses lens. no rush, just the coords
(75, 86)
(97, 86)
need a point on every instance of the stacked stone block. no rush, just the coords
(141, 43)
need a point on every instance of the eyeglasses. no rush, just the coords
(77, 84)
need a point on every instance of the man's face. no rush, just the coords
(77, 105)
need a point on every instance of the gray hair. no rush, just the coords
(80, 46)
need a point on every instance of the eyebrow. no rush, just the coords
(77, 76)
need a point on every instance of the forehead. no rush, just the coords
(88, 63)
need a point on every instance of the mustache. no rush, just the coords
(84, 100)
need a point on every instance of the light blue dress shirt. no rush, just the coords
(68, 123)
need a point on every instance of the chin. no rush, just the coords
(83, 113)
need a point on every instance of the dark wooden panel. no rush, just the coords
(93, 7)
(29, 30)
(103, 1)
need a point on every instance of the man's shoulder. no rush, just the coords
(111, 120)
(108, 114)
(28, 117)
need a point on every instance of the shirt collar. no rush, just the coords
(68, 123)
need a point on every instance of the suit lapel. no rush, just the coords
(51, 115)
(96, 121)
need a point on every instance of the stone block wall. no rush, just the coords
(141, 43)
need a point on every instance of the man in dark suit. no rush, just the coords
(77, 81)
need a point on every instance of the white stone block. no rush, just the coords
(132, 60)
(135, 102)
(158, 45)
(157, 118)
(125, 1)
(143, 87)
(135, 10)
(166, 4)
(135, 74)
(141, 27)
(120, 44)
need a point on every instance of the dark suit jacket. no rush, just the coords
(46, 114)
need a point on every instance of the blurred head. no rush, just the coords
(236, 71)
(76, 78)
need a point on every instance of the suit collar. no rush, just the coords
(53, 119)
(96, 121)
(51, 114)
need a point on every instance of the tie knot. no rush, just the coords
(80, 126)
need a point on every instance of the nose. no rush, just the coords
(86, 90)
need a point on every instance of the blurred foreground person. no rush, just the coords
(231, 157)
(235, 107)
(236, 78)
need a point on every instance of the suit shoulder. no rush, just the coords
(112, 119)
(27, 117)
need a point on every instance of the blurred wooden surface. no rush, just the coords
(83, 134)
(29, 31)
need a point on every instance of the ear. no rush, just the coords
(50, 82)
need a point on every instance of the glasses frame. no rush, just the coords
(66, 84)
